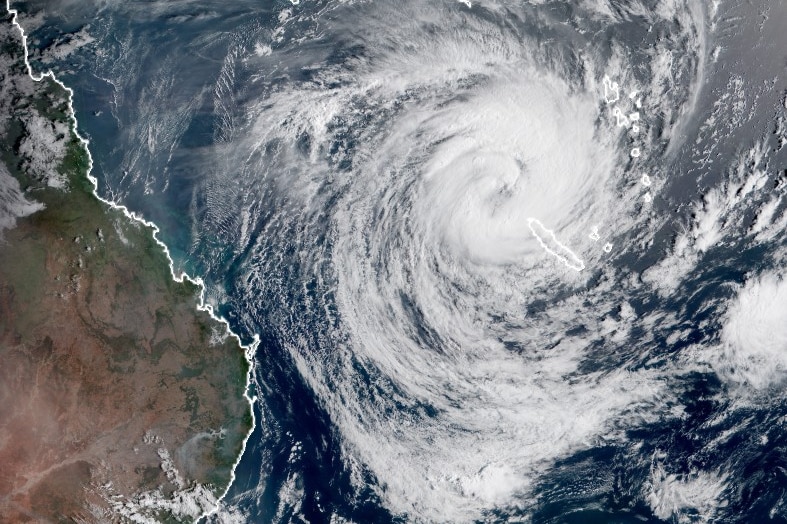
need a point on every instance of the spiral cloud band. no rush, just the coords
(456, 184)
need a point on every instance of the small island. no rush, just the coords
(120, 399)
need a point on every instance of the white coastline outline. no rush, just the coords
(249, 349)
(611, 90)
(578, 266)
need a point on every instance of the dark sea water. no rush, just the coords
(356, 183)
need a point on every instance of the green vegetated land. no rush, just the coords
(114, 388)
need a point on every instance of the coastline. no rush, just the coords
(182, 277)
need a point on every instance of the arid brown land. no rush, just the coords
(118, 398)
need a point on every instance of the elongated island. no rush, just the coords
(120, 400)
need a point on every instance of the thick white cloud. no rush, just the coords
(436, 377)
(684, 498)
(754, 350)
(13, 203)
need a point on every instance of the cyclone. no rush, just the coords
(436, 190)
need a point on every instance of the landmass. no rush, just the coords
(120, 400)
